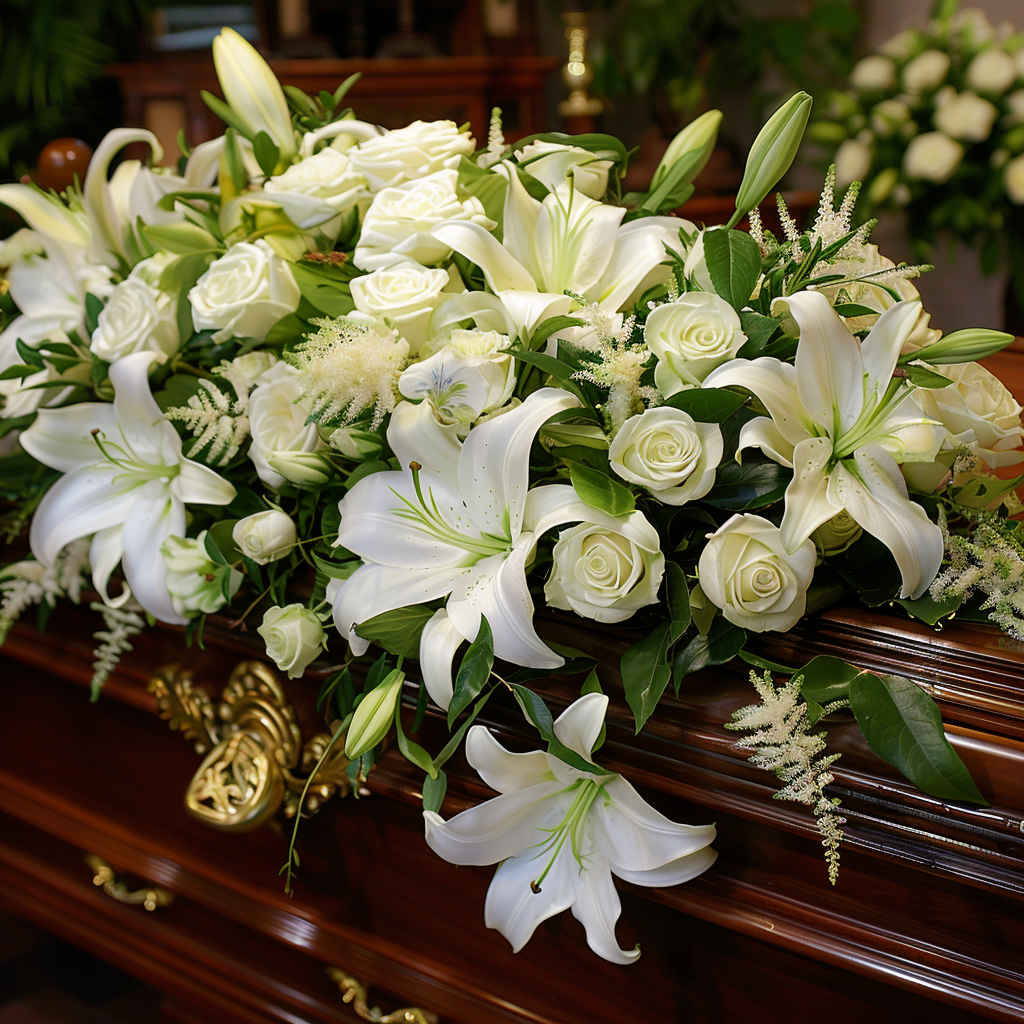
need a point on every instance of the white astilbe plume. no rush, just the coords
(990, 562)
(122, 624)
(779, 734)
(756, 231)
(348, 367)
(216, 419)
(618, 367)
(495, 141)
(29, 583)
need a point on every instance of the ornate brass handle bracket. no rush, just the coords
(103, 876)
(354, 992)
(255, 761)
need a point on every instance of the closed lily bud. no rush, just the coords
(372, 719)
(265, 536)
(356, 443)
(252, 91)
(304, 469)
(772, 153)
(694, 144)
(965, 346)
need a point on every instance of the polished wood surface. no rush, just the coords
(923, 924)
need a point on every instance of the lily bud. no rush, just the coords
(252, 91)
(372, 719)
(304, 469)
(883, 184)
(772, 153)
(356, 443)
(694, 144)
(965, 346)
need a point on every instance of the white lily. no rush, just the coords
(562, 833)
(464, 526)
(843, 423)
(567, 243)
(125, 483)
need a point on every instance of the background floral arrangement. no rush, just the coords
(322, 373)
(933, 123)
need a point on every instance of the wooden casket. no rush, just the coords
(924, 923)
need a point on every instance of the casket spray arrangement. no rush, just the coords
(933, 125)
(445, 384)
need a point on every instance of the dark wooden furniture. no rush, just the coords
(924, 923)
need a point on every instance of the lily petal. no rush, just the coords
(809, 501)
(438, 643)
(196, 484)
(528, 309)
(598, 908)
(579, 725)
(63, 439)
(774, 382)
(486, 310)
(153, 518)
(762, 433)
(675, 872)
(874, 492)
(519, 224)
(45, 214)
(639, 249)
(415, 436)
(133, 401)
(500, 768)
(104, 554)
(881, 349)
(502, 270)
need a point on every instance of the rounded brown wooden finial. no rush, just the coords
(60, 161)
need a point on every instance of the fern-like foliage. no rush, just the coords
(779, 733)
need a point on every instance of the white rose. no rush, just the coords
(136, 318)
(853, 161)
(993, 70)
(406, 294)
(966, 116)
(835, 536)
(265, 536)
(933, 156)
(552, 164)
(746, 572)
(901, 45)
(488, 352)
(250, 367)
(294, 637)
(665, 451)
(973, 25)
(194, 580)
(415, 151)
(873, 74)
(397, 226)
(1018, 60)
(607, 569)
(1013, 179)
(978, 411)
(327, 176)
(888, 116)
(244, 293)
(690, 337)
(926, 71)
(1015, 101)
(277, 420)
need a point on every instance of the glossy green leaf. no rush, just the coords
(707, 405)
(826, 679)
(734, 263)
(398, 630)
(539, 715)
(434, 791)
(266, 151)
(677, 600)
(720, 644)
(754, 484)
(922, 377)
(646, 672)
(474, 671)
(928, 610)
(600, 490)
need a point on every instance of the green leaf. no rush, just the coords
(434, 791)
(300, 102)
(646, 673)
(677, 600)
(928, 610)
(554, 367)
(324, 286)
(707, 405)
(552, 325)
(398, 630)
(538, 713)
(29, 355)
(600, 490)
(93, 308)
(734, 263)
(412, 751)
(814, 710)
(266, 151)
(925, 378)
(759, 330)
(177, 278)
(868, 566)
(342, 91)
(474, 671)
(826, 679)
(674, 189)
(754, 484)
(220, 534)
(226, 114)
(902, 724)
(721, 644)
(177, 390)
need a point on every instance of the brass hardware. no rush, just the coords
(150, 897)
(576, 74)
(354, 992)
(256, 749)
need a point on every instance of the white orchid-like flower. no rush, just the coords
(562, 833)
(843, 423)
(462, 526)
(567, 243)
(125, 483)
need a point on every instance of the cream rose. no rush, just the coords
(406, 294)
(277, 420)
(265, 536)
(690, 337)
(552, 164)
(244, 293)
(194, 580)
(873, 74)
(138, 317)
(1015, 101)
(397, 226)
(294, 637)
(327, 176)
(415, 151)
(966, 116)
(889, 116)
(933, 156)
(746, 572)
(926, 71)
(853, 161)
(993, 70)
(835, 536)
(978, 411)
(665, 451)
(605, 570)
(1013, 179)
